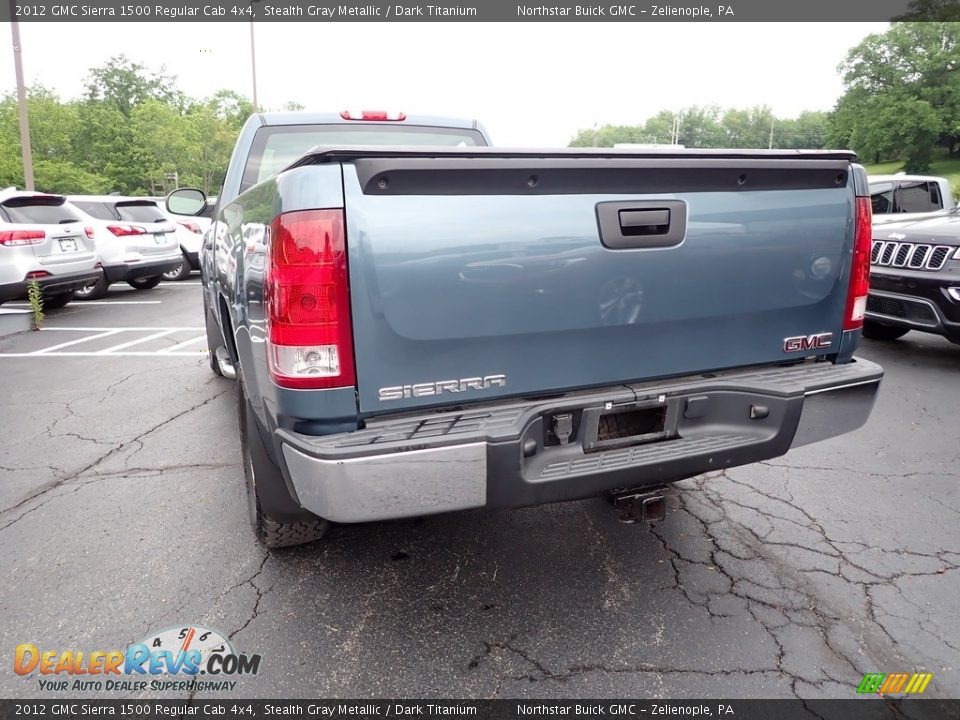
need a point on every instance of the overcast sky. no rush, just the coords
(529, 83)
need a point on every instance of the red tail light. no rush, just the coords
(124, 230)
(88, 231)
(309, 337)
(192, 227)
(382, 115)
(11, 238)
(860, 269)
(37, 274)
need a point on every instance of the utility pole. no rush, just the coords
(22, 104)
(771, 133)
(253, 67)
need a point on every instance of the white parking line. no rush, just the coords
(123, 346)
(119, 350)
(102, 329)
(174, 348)
(101, 302)
(101, 355)
(83, 339)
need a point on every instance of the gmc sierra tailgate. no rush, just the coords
(482, 274)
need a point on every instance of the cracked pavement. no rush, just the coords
(122, 511)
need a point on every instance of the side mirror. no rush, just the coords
(186, 201)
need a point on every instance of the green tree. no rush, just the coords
(748, 128)
(927, 10)
(902, 94)
(131, 129)
(125, 84)
(214, 138)
(163, 142)
(608, 135)
(808, 130)
(701, 127)
(62, 176)
(105, 145)
(711, 127)
(53, 138)
(229, 107)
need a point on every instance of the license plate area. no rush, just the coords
(629, 424)
(68, 245)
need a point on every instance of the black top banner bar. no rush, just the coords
(201, 709)
(617, 11)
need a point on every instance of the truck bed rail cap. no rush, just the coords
(322, 154)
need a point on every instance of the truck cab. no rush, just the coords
(899, 197)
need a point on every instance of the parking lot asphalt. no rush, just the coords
(123, 511)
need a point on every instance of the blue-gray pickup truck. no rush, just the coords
(421, 323)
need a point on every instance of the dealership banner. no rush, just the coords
(853, 709)
(485, 11)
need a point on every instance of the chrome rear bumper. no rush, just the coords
(500, 456)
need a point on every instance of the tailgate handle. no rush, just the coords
(645, 222)
(642, 223)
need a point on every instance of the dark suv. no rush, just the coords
(915, 279)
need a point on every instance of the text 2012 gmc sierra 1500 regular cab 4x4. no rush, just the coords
(433, 325)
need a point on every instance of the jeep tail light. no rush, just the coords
(192, 227)
(309, 336)
(860, 269)
(88, 231)
(36, 275)
(124, 230)
(11, 238)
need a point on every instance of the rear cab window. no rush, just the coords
(275, 147)
(918, 197)
(881, 197)
(39, 210)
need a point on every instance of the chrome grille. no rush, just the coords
(886, 255)
(938, 257)
(903, 252)
(917, 256)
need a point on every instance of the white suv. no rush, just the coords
(43, 240)
(190, 232)
(135, 240)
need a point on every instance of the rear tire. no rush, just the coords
(876, 331)
(94, 291)
(181, 273)
(145, 283)
(277, 520)
(52, 302)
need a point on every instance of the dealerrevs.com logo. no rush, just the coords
(172, 659)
